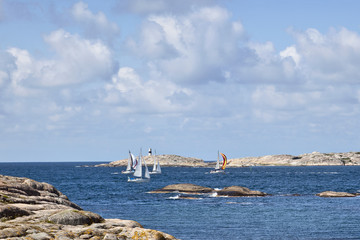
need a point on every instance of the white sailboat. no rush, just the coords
(156, 167)
(219, 169)
(132, 162)
(138, 174)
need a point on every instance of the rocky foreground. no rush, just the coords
(34, 210)
(308, 159)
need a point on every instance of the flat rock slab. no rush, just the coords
(233, 191)
(335, 194)
(75, 217)
(237, 191)
(184, 188)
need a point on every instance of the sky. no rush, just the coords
(91, 80)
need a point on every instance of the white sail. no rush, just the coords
(134, 161)
(158, 169)
(154, 167)
(218, 162)
(138, 168)
(147, 174)
(130, 161)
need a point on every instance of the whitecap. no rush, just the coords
(175, 197)
(214, 194)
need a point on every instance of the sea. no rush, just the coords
(292, 211)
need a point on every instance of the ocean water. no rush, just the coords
(291, 212)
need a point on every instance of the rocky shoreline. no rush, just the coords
(308, 159)
(38, 211)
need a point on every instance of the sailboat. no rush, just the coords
(138, 174)
(132, 162)
(156, 167)
(219, 169)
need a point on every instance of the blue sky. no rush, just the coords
(90, 80)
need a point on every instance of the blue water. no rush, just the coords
(279, 216)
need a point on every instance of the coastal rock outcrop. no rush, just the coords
(165, 161)
(34, 210)
(184, 188)
(308, 159)
(187, 188)
(336, 194)
(238, 191)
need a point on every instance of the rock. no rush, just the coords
(28, 191)
(75, 217)
(308, 159)
(10, 212)
(184, 188)
(335, 194)
(110, 236)
(39, 236)
(234, 191)
(237, 191)
(38, 211)
(165, 161)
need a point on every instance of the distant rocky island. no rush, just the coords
(308, 159)
(35, 210)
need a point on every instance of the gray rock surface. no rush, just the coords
(308, 159)
(335, 194)
(184, 188)
(165, 161)
(34, 210)
(233, 191)
(238, 191)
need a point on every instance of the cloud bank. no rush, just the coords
(196, 71)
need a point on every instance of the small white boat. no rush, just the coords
(219, 169)
(138, 174)
(156, 167)
(132, 162)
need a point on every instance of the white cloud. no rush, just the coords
(333, 57)
(291, 52)
(77, 60)
(133, 94)
(96, 25)
(197, 47)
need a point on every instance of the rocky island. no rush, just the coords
(34, 210)
(308, 159)
(232, 191)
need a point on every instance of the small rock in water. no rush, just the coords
(335, 194)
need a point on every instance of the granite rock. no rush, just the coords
(34, 210)
(335, 194)
(238, 191)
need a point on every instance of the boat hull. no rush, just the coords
(217, 171)
(138, 180)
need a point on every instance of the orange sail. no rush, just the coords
(224, 161)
